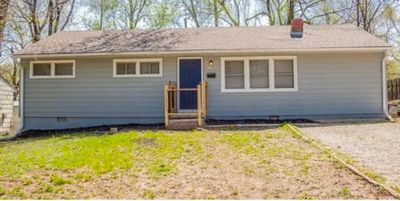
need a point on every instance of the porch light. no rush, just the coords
(211, 63)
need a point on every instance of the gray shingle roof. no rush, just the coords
(203, 39)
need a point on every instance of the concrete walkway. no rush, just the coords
(376, 145)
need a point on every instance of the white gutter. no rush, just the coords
(189, 52)
(21, 99)
(384, 90)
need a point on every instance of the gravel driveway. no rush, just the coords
(376, 145)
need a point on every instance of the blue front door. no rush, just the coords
(189, 77)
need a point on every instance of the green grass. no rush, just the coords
(148, 194)
(375, 176)
(269, 144)
(58, 180)
(97, 154)
(396, 188)
(2, 191)
(64, 166)
(345, 191)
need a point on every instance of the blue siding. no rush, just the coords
(341, 85)
(328, 85)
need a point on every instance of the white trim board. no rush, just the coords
(52, 70)
(137, 67)
(271, 65)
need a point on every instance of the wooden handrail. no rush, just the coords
(184, 89)
(199, 120)
(170, 101)
(204, 98)
(166, 105)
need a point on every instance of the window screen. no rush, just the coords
(63, 69)
(284, 74)
(259, 74)
(43, 69)
(149, 68)
(126, 68)
(234, 74)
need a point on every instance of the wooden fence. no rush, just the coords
(393, 89)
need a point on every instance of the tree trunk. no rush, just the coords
(102, 10)
(290, 11)
(36, 30)
(194, 14)
(51, 9)
(228, 12)
(3, 15)
(365, 16)
(216, 14)
(270, 13)
(131, 14)
(358, 12)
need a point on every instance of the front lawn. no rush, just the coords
(164, 164)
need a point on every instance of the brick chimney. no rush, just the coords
(297, 28)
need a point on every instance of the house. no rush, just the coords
(6, 106)
(89, 78)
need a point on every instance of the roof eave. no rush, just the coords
(187, 52)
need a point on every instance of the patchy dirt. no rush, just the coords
(268, 164)
(374, 144)
(146, 142)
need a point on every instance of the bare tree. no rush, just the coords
(234, 11)
(3, 16)
(56, 14)
(367, 11)
(215, 12)
(129, 13)
(103, 13)
(191, 7)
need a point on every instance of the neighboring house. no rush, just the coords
(90, 78)
(6, 106)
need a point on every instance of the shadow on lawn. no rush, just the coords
(84, 132)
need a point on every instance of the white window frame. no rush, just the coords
(271, 73)
(52, 70)
(137, 67)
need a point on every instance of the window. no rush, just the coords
(42, 69)
(137, 68)
(284, 74)
(234, 72)
(52, 69)
(259, 74)
(64, 69)
(149, 68)
(126, 68)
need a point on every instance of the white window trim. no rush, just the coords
(52, 70)
(271, 66)
(137, 67)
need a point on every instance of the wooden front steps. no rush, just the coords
(182, 124)
(183, 121)
(179, 120)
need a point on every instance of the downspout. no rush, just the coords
(21, 105)
(384, 90)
